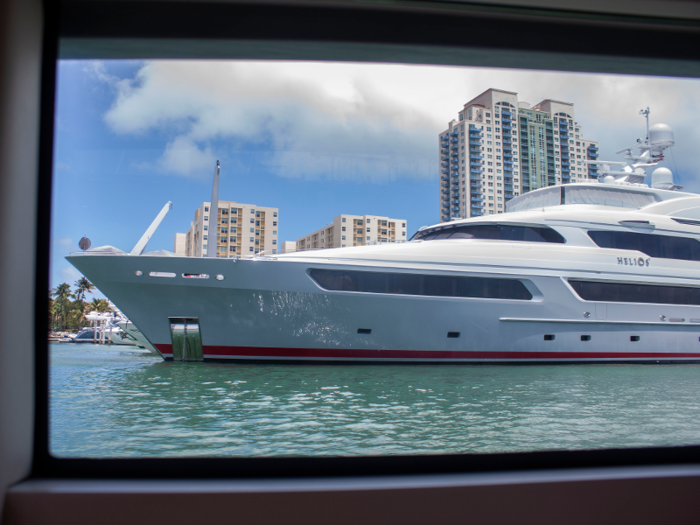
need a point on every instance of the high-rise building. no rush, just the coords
(500, 148)
(354, 230)
(240, 230)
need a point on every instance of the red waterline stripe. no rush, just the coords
(261, 351)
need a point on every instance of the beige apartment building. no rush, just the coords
(181, 243)
(288, 247)
(239, 230)
(502, 147)
(354, 230)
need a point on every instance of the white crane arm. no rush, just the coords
(143, 241)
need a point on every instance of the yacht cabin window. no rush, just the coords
(662, 246)
(635, 293)
(573, 194)
(496, 232)
(416, 284)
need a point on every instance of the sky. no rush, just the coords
(313, 139)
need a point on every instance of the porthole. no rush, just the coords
(219, 277)
(549, 337)
(585, 338)
(138, 273)
(634, 338)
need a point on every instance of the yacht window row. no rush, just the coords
(662, 246)
(635, 293)
(416, 284)
(497, 232)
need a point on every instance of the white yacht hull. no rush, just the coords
(137, 338)
(271, 309)
(118, 337)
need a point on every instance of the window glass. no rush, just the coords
(635, 293)
(317, 141)
(654, 245)
(413, 284)
(541, 199)
(571, 194)
(607, 197)
(498, 232)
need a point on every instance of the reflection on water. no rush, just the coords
(111, 401)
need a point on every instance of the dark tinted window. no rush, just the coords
(689, 222)
(498, 232)
(635, 293)
(413, 284)
(663, 246)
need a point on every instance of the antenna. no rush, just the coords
(633, 170)
(214, 213)
(646, 112)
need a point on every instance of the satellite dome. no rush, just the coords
(662, 179)
(661, 136)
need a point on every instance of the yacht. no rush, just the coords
(85, 335)
(106, 329)
(98, 335)
(602, 271)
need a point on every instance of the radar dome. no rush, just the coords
(662, 179)
(661, 136)
(84, 243)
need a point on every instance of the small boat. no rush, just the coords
(86, 335)
(104, 330)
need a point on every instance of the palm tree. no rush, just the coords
(52, 311)
(82, 286)
(98, 305)
(62, 293)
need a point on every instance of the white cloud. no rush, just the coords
(97, 70)
(68, 274)
(364, 122)
(312, 117)
(183, 157)
(64, 243)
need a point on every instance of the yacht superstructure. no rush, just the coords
(599, 271)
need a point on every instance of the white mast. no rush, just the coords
(214, 215)
(646, 112)
(143, 241)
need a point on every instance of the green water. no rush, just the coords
(118, 402)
